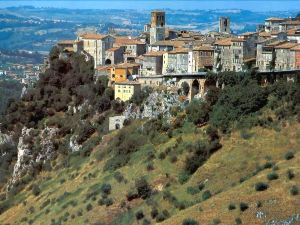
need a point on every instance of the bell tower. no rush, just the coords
(157, 26)
(224, 25)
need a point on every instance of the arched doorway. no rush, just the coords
(195, 88)
(117, 126)
(107, 62)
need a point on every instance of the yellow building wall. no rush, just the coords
(124, 92)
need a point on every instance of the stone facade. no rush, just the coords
(116, 122)
(157, 27)
(96, 45)
(176, 61)
(152, 64)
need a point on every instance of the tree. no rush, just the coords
(198, 112)
(237, 101)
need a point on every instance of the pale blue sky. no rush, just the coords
(254, 5)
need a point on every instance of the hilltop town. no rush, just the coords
(169, 127)
(160, 53)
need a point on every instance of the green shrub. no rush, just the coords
(272, 176)
(238, 221)
(143, 188)
(162, 155)
(243, 206)
(118, 176)
(260, 186)
(268, 165)
(258, 204)
(231, 206)
(150, 166)
(36, 190)
(206, 195)
(154, 213)
(294, 190)
(139, 215)
(189, 222)
(89, 207)
(106, 188)
(289, 155)
(192, 190)
(215, 221)
(290, 174)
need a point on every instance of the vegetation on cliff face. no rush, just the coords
(10, 90)
(161, 170)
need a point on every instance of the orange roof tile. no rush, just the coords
(286, 45)
(203, 48)
(296, 48)
(127, 41)
(274, 19)
(179, 51)
(93, 36)
(126, 65)
(264, 34)
(154, 54)
(224, 42)
(66, 42)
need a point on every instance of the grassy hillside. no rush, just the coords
(72, 195)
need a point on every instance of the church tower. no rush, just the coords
(224, 25)
(157, 26)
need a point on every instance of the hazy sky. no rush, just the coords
(254, 5)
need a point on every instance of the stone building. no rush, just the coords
(132, 47)
(116, 122)
(224, 25)
(265, 57)
(96, 45)
(125, 90)
(152, 64)
(294, 35)
(273, 24)
(157, 26)
(283, 56)
(114, 55)
(176, 61)
(201, 57)
(231, 53)
(295, 57)
(223, 55)
(123, 72)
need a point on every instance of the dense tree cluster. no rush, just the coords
(68, 81)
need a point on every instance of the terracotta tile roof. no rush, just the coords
(291, 22)
(264, 34)
(180, 51)
(113, 49)
(127, 41)
(154, 54)
(293, 32)
(275, 43)
(286, 45)
(224, 42)
(274, 32)
(248, 33)
(93, 36)
(274, 19)
(296, 48)
(203, 48)
(126, 65)
(66, 42)
(99, 68)
(175, 43)
(237, 40)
